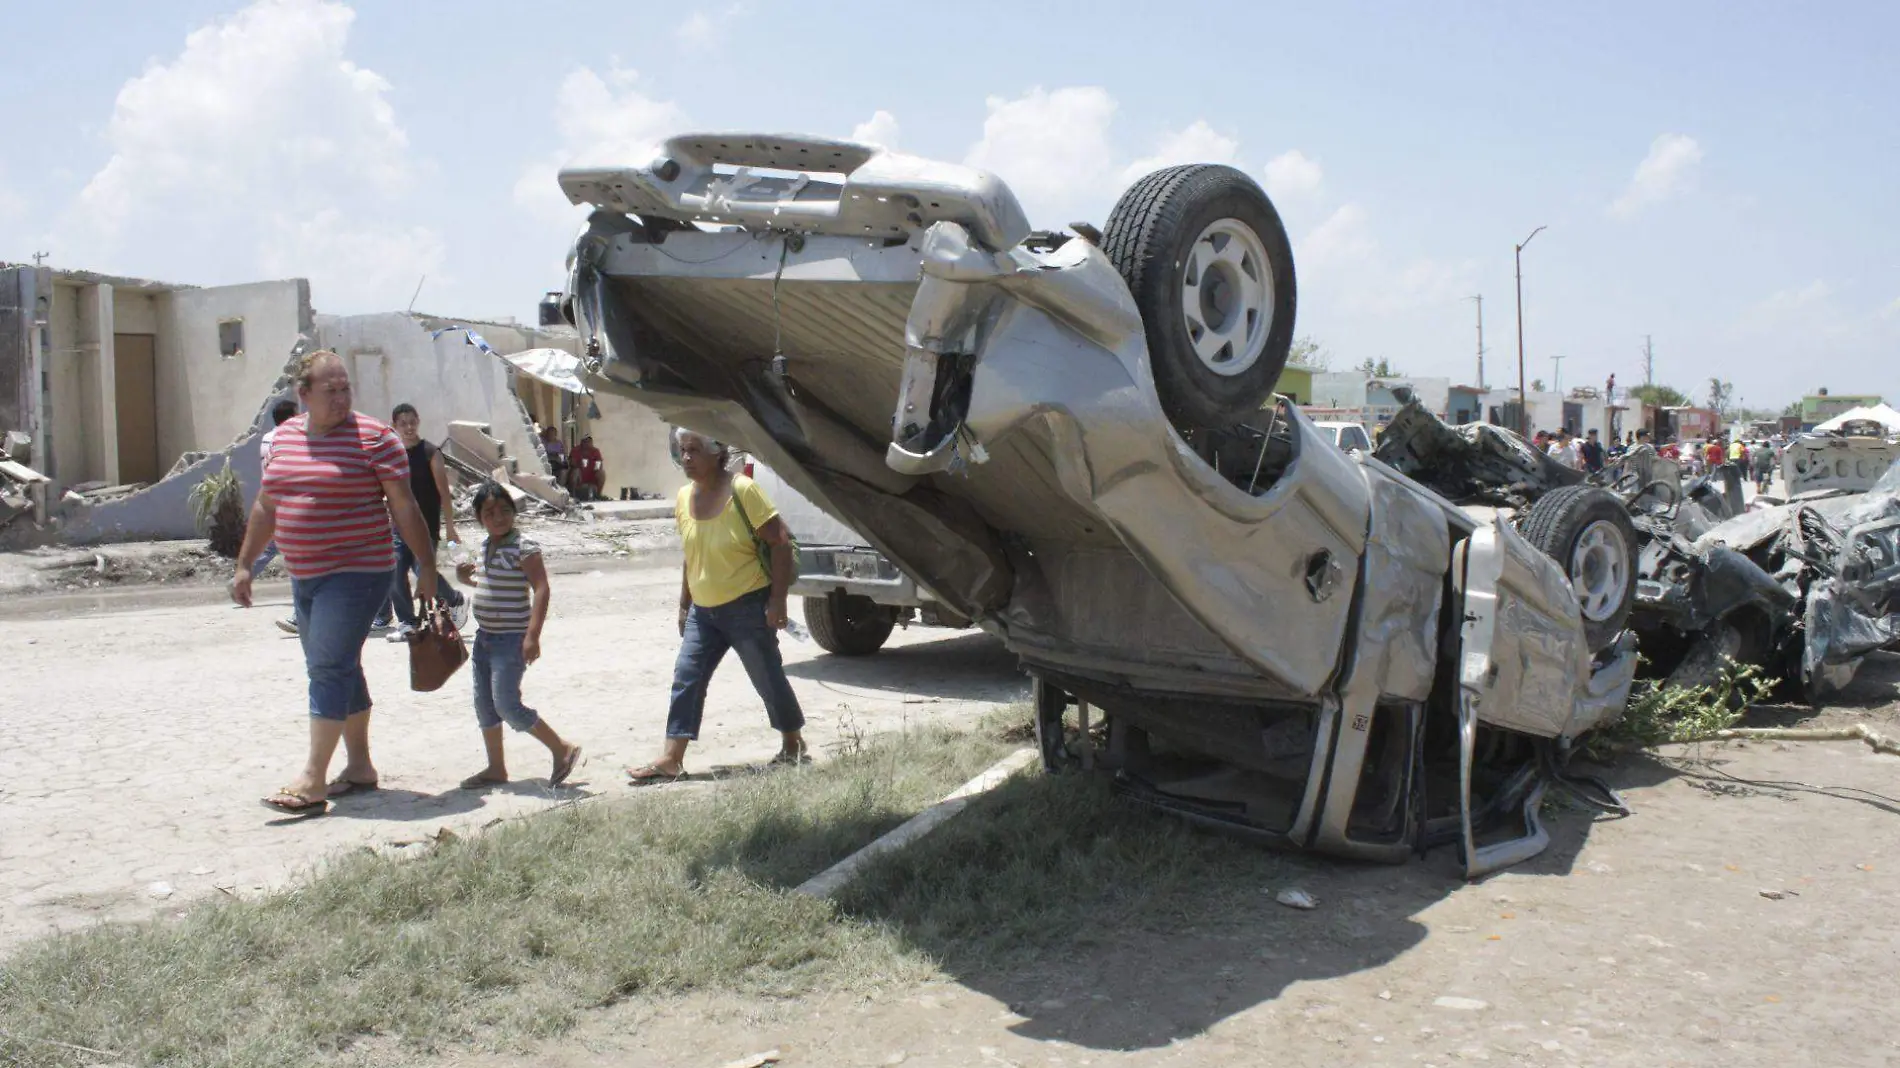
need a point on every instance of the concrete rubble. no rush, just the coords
(473, 404)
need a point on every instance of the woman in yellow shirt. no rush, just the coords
(728, 600)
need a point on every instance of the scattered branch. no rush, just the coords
(1878, 742)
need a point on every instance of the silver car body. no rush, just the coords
(983, 412)
(1815, 462)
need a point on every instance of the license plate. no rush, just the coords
(859, 565)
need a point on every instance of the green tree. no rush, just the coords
(1381, 369)
(1792, 410)
(1537, 385)
(1719, 394)
(1309, 353)
(1661, 396)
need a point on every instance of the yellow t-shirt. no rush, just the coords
(722, 564)
(1735, 450)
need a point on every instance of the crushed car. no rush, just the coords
(1072, 439)
(1801, 591)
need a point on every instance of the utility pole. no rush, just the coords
(1479, 299)
(1649, 363)
(39, 258)
(1557, 375)
(1523, 398)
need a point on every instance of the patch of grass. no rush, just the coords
(503, 936)
(1044, 860)
(1660, 714)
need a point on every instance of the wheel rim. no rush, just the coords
(1227, 296)
(1599, 570)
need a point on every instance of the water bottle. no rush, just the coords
(796, 630)
(459, 554)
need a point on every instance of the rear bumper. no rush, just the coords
(824, 569)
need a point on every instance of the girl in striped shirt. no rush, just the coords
(511, 603)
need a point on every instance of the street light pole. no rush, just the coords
(1523, 398)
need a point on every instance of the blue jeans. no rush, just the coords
(499, 665)
(738, 625)
(264, 559)
(333, 617)
(402, 601)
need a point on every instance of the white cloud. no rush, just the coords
(1669, 169)
(1342, 259)
(1794, 300)
(1197, 143)
(1052, 148)
(1292, 174)
(1343, 238)
(1056, 150)
(707, 29)
(273, 77)
(1892, 310)
(880, 129)
(261, 118)
(364, 266)
(600, 120)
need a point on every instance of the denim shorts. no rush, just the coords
(333, 613)
(499, 665)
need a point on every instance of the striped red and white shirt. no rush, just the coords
(331, 515)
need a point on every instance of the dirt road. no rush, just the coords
(1741, 917)
(1726, 924)
(142, 725)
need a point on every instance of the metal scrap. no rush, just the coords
(1802, 591)
(1476, 463)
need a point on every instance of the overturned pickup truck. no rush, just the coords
(1801, 591)
(1072, 439)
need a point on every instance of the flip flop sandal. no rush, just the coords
(341, 787)
(651, 775)
(295, 804)
(481, 782)
(564, 768)
(787, 760)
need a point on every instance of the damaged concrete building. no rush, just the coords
(121, 394)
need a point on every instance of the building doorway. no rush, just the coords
(135, 387)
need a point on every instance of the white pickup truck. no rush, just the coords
(854, 597)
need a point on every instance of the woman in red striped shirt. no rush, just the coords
(333, 479)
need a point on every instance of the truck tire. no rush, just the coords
(1208, 261)
(847, 624)
(1588, 532)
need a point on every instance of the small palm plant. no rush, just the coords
(218, 505)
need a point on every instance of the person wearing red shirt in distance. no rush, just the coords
(333, 480)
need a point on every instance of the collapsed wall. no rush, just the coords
(392, 359)
(162, 511)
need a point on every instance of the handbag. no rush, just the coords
(759, 545)
(436, 651)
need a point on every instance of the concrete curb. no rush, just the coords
(834, 878)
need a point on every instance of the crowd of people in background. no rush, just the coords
(1754, 459)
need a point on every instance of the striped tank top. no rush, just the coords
(503, 599)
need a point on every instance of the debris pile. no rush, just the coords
(1801, 590)
(474, 456)
(22, 489)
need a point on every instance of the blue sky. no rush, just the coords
(1718, 176)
